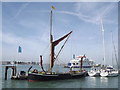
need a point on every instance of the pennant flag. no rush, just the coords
(19, 49)
(53, 7)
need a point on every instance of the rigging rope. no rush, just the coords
(115, 51)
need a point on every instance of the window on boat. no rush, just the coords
(73, 63)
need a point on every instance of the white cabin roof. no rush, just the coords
(78, 60)
(74, 61)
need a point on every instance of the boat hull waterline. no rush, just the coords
(109, 74)
(93, 74)
(50, 77)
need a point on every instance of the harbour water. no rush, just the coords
(86, 82)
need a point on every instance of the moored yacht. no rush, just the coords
(109, 71)
(94, 72)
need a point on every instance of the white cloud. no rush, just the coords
(31, 47)
(15, 40)
(9, 38)
(91, 12)
(21, 9)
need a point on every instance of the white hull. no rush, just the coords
(109, 74)
(75, 63)
(93, 73)
(113, 74)
(103, 74)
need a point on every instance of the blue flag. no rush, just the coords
(19, 49)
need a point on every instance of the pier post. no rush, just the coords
(13, 71)
(6, 72)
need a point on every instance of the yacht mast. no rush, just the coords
(103, 36)
(114, 50)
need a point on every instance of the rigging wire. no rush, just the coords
(114, 50)
(62, 47)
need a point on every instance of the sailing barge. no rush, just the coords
(50, 75)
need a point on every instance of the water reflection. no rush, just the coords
(93, 80)
(104, 79)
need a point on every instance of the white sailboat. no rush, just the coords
(98, 72)
(94, 73)
(107, 71)
(103, 71)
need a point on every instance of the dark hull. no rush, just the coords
(49, 77)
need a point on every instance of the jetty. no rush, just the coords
(15, 76)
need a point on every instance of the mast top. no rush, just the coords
(51, 21)
(102, 27)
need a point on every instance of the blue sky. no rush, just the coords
(27, 24)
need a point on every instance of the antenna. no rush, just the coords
(73, 56)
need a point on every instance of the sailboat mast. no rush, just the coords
(103, 40)
(51, 44)
(50, 25)
(114, 49)
(54, 43)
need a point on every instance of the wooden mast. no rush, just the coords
(54, 43)
(51, 44)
